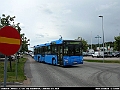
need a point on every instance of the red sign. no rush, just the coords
(10, 40)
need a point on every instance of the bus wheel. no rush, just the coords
(38, 58)
(39, 61)
(53, 61)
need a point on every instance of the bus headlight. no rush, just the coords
(66, 61)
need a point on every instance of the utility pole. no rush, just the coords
(0, 22)
(103, 37)
(91, 39)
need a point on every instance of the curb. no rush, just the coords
(12, 83)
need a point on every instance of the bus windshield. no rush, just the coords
(73, 49)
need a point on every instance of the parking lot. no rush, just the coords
(95, 58)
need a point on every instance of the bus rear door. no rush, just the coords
(60, 55)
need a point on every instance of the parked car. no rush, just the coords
(96, 54)
(99, 54)
(32, 55)
(2, 55)
(11, 57)
(85, 54)
(108, 54)
(116, 54)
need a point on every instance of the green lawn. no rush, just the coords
(11, 74)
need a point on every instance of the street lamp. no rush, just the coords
(103, 37)
(98, 40)
(60, 37)
(0, 21)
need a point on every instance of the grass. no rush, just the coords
(11, 74)
(105, 61)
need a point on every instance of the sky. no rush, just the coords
(43, 21)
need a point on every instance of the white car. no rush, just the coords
(13, 57)
(96, 54)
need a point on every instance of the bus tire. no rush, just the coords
(38, 58)
(53, 60)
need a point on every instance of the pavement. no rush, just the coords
(27, 82)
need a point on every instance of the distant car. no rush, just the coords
(2, 55)
(19, 55)
(11, 57)
(85, 54)
(118, 54)
(32, 55)
(99, 54)
(96, 54)
(108, 54)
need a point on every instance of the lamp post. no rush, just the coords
(98, 40)
(60, 37)
(103, 37)
(0, 21)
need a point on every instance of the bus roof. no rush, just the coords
(47, 44)
(57, 41)
(42, 45)
(36, 46)
(39, 45)
(60, 41)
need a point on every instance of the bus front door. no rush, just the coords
(60, 55)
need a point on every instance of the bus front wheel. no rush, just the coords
(53, 61)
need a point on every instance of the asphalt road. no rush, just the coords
(84, 75)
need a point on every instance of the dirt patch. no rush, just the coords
(27, 82)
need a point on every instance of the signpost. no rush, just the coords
(10, 42)
(17, 61)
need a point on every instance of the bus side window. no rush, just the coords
(49, 49)
(53, 49)
(65, 50)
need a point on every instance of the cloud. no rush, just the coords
(67, 11)
(48, 11)
(45, 9)
(40, 35)
(107, 6)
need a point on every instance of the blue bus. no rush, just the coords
(59, 52)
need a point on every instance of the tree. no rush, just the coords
(25, 44)
(17, 27)
(117, 43)
(6, 20)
